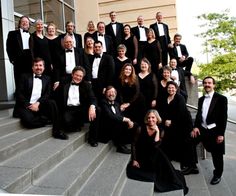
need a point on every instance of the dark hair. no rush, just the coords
(21, 19)
(37, 59)
(172, 83)
(68, 22)
(97, 42)
(209, 77)
(109, 88)
(79, 68)
(145, 60)
(177, 35)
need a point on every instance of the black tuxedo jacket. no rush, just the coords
(15, 46)
(217, 113)
(86, 95)
(108, 41)
(116, 39)
(106, 71)
(174, 54)
(135, 31)
(166, 32)
(78, 39)
(182, 86)
(25, 87)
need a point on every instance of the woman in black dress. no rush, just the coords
(152, 51)
(41, 47)
(120, 61)
(177, 123)
(148, 84)
(132, 101)
(148, 162)
(90, 30)
(131, 43)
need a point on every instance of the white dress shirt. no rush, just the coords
(161, 29)
(179, 51)
(96, 63)
(142, 34)
(36, 90)
(205, 107)
(114, 27)
(102, 39)
(70, 61)
(73, 96)
(25, 39)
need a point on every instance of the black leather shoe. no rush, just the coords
(190, 170)
(61, 136)
(93, 144)
(215, 180)
(123, 149)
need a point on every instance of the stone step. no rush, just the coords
(215, 190)
(21, 140)
(70, 175)
(170, 193)
(6, 113)
(9, 125)
(134, 188)
(21, 171)
(109, 177)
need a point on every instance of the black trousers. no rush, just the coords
(188, 66)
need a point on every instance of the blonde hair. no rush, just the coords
(155, 112)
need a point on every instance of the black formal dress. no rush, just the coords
(161, 96)
(118, 66)
(131, 94)
(132, 47)
(19, 57)
(86, 35)
(154, 164)
(148, 87)
(152, 51)
(177, 143)
(75, 116)
(54, 48)
(217, 114)
(41, 49)
(164, 40)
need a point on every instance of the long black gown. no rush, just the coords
(154, 165)
(148, 87)
(152, 51)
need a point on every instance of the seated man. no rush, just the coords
(114, 124)
(79, 105)
(179, 52)
(33, 103)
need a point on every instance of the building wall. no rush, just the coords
(127, 12)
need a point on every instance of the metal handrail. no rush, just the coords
(195, 108)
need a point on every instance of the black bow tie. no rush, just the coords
(111, 104)
(25, 31)
(75, 84)
(113, 23)
(174, 69)
(38, 76)
(160, 23)
(100, 34)
(97, 56)
(141, 26)
(68, 50)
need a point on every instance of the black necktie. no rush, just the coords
(73, 83)
(68, 50)
(100, 34)
(25, 31)
(38, 76)
(97, 56)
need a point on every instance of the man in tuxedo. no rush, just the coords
(70, 30)
(33, 103)
(114, 125)
(115, 30)
(19, 48)
(79, 105)
(180, 53)
(162, 35)
(101, 70)
(140, 31)
(66, 60)
(177, 75)
(104, 38)
(210, 125)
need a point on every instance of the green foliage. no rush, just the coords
(223, 69)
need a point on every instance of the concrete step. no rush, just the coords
(21, 140)
(70, 175)
(170, 193)
(215, 190)
(9, 125)
(134, 188)
(21, 171)
(6, 113)
(109, 177)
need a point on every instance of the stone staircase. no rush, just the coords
(32, 162)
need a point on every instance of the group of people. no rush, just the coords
(117, 82)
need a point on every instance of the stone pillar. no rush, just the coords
(7, 85)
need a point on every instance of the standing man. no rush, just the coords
(19, 49)
(79, 105)
(180, 53)
(140, 31)
(210, 125)
(101, 71)
(70, 30)
(33, 103)
(162, 35)
(115, 30)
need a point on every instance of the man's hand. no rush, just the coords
(34, 107)
(92, 113)
(219, 139)
(124, 106)
(55, 85)
(195, 132)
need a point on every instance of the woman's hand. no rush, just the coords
(168, 123)
(136, 164)
(124, 106)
